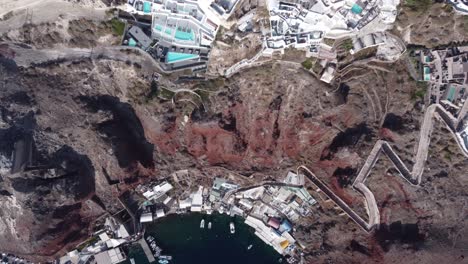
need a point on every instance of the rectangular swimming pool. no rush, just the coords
(182, 35)
(177, 56)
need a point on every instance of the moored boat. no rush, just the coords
(232, 228)
(202, 223)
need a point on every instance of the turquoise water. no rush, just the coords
(158, 27)
(132, 42)
(181, 35)
(177, 56)
(146, 7)
(181, 237)
(451, 94)
(356, 9)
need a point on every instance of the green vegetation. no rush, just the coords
(420, 91)
(448, 8)
(205, 95)
(464, 23)
(347, 44)
(365, 53)
(447, 153)
(329, 41)
(308, 63)
(418, 5)
(165, 93)
(220, 33)
(87, 243)
(211, 84)
(317, 68)
(118, 27)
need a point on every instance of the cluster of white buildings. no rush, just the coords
(155, 194)
(306, 23)
(105, 248)
(271, 209)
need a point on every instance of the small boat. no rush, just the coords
(232, 228)
(165, 257)
(150, 239)
(202, 223)
(209, 225)
(249, 247)
(163, 261)
(132, 261)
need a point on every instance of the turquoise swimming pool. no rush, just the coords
(182, 35)
(356, 9)
(177, 56)
(132, 42)
(158, 27)
(146, 7)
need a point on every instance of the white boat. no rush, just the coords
(202, 223)
(209, 225)
(232, 228)
(249, 247)
(132, 261)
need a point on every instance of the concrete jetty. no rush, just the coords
(147, 250)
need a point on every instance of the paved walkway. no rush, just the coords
(413, 176)
(147, 250)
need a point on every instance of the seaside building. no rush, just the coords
(111, 256)
(197, 200)
(158, 191)
(220, 188)
(146, 217)
(160, 213)
(274, 222)
(282, 243)
(184, 204)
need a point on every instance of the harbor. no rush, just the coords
(183, 238)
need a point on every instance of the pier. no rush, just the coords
(147, 250)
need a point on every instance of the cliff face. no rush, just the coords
(75, 135)
(64, 145)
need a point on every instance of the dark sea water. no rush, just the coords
(181, 237)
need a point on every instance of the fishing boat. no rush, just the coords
(209, 225)
(165, 257)
(249, 247)
(202, 223)
(132, 261)
(232, 228)
(163, 261)
(150, 239)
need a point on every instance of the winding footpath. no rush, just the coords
(413, 176)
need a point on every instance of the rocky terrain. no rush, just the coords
(431, 25)
(78, 133)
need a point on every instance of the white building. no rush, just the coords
(158, 191)
(146, 217)
(111, 256)
(197, 200)
(160, 213)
